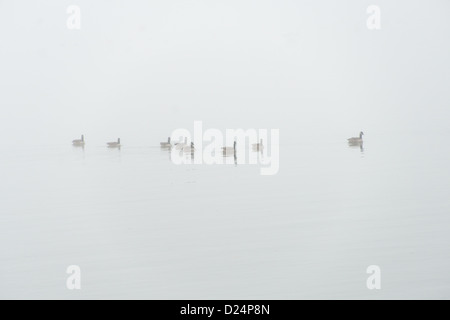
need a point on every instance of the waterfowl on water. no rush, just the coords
(229, 150)
(258, 146)
(114, 144)
(79, 142)
(189, 149)
(181, 145)
(356, 140)
(166, 144)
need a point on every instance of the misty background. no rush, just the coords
(141, 69)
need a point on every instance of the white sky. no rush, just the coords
(140, 69)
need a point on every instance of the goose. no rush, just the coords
(114, 144)
(189, 149)
(258, 146)
(166, 144)
(229, 150)
(181, 145)
(356, 140)
(79, 142)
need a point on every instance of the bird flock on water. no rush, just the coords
(185, 147)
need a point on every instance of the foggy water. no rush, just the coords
(141, 227)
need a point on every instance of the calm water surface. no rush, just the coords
(141, 227)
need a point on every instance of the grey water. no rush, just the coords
(140, 226)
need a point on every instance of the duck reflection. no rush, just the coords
(355, 145)
(168, 150)
(78, 146)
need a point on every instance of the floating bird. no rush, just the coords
(114, 144)
(258, 146)
(181, 145)
(356, 140)
(229, 150)
(166, 144)
(79, 142)
(189, 149)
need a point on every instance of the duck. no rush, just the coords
(114, 144)
(181, 145)
(258, 146)
(79, 142)
(229, 150)
(189, 149)
(356, 140)
(166, 144)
